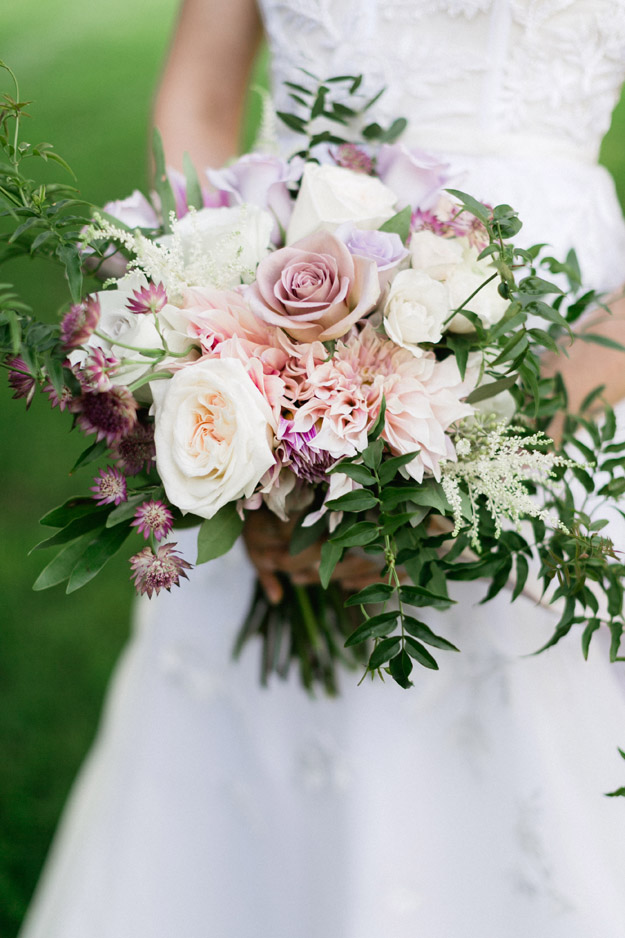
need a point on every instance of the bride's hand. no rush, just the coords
(267, 541)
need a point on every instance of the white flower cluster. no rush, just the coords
(495, 461)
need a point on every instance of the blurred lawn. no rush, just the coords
(91, 77)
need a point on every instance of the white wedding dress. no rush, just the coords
(471, 805)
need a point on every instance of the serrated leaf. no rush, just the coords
(97, 554)
(375, 627)
(217, 534)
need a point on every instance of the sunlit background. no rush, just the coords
(90, 71)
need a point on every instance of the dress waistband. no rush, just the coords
(474, 143)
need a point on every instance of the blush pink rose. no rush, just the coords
(314, 289)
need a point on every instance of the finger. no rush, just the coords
(272, 587)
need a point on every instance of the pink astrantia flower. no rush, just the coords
(61, 401)
(20, 380)
(110, 487)
(149, 299)
(111, 414)
(136, 451)
(314, 289)
(94, 371)
(78, 324)
(447, 220)
(349, 156)
(153, 517)
(153, 572)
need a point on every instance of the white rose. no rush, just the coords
(463, 280)
(436, 255)
(212, 434)
(415, 311)
(221, 246)
(331, 195)
(119, 324)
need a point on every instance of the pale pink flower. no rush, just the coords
(148, 299)
(153, 572)
(78, 324)
(110, 487)
(314, 289)
(153, 517)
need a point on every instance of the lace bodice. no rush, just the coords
(467, 73)
(516, 94)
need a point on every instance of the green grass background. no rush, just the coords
(90, 72)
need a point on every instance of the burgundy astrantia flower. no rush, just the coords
(20, 380)
(352, 157)
(62, 400)
(153, 572)
(78, 324)
(94, 372)
(150, 299)
(155, 518)
(136, 451)
(110, 487)
(110, 414)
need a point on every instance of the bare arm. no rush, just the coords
(200, 98)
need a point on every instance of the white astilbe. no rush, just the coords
(266, 140)
(494, 461)
(183, 259)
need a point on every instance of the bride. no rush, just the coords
(471, 804)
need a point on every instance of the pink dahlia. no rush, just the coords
(153, 517)
(110, 414)
(154, 571)
(78, 324)
(110, 487)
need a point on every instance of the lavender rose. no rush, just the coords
(314, 289)
(414, 175)
(383, 247)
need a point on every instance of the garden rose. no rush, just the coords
(416, 177)
(331, 195)
(314, 289)
(415, 310)
(212, 434)
(463, 280)
(436, 255)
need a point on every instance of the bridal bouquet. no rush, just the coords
(339, 339)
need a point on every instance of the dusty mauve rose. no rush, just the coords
(314, 289)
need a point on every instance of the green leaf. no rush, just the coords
(127, 509)
(522, 572)
(378, 427)
(599, 340)
(472, 205)
(330, 555)
(161, 181)
(399, 224)
(485, 391)
(591, 628)
(303, 537)
(414, 594)
(374, 593)
(417, 651)
(355, 471)
(400, 667)
(195, 199)
(460, 346)
(217, 534)
(375, 627)
(360, 500)
(616, 632)
(536, 286)
(68, 511)
(372, 455)
(382, 652)
(619, 793)
(297, 124)
(70, 258)
(356, 535)
(62, 565)
(390, 467)
(88, 455)
(74, 529)
(97, 554)
(424, 632)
